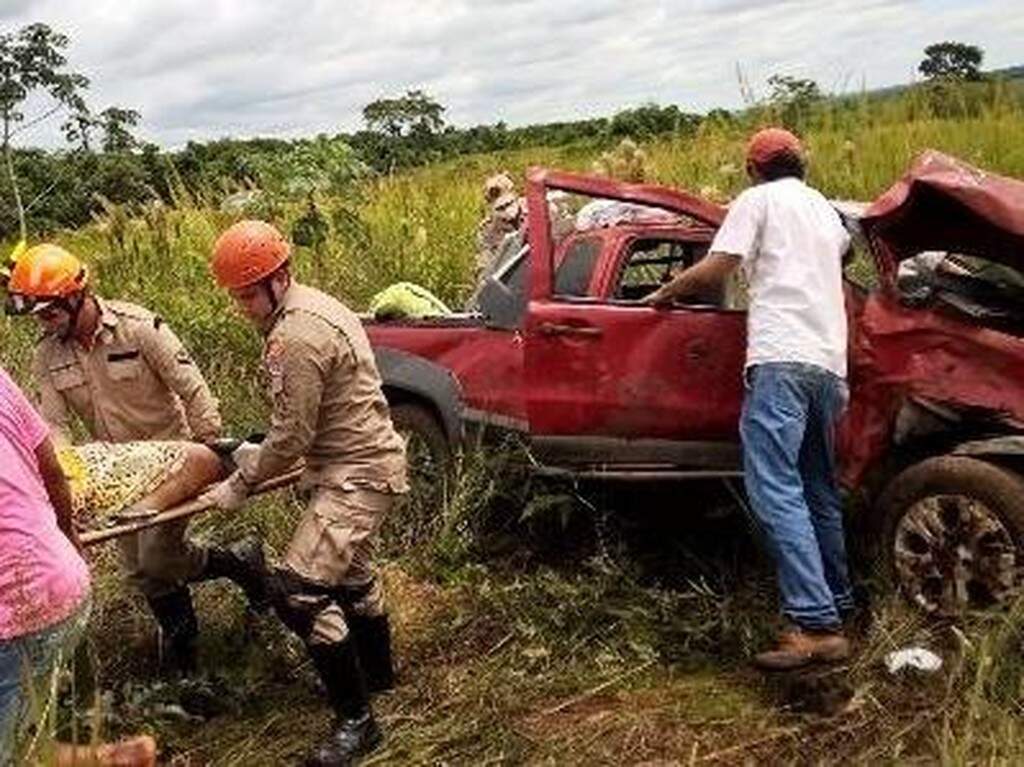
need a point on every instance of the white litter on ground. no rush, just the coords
(912, 657)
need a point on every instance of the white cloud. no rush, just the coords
(200, 69)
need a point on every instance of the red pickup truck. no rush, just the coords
(562, 350)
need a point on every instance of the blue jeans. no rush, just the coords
(28, 668)
(788, 426)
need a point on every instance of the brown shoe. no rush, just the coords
(798, 648)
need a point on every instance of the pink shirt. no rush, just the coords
(42, 577)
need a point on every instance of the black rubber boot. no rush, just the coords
(373, 642)
(355, 731)
(179, 630)
(243, 563)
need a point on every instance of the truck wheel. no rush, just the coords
(953, 531)
(429, 459)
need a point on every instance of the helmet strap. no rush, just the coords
(269, 288)
(73, 306)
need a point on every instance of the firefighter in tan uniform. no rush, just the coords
(122, 371)
(328, 410)
(505, 212)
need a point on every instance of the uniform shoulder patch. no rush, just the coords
(273, 352)
(273, 362)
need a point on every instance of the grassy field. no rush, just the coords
(538, 624)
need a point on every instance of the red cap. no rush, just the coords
(768, 142)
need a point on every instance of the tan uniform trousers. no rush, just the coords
(333, 546)
(161, 559)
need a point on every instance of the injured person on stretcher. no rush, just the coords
(110, 479)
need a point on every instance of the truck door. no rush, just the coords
(604, 366)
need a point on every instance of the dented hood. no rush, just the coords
(945, 204)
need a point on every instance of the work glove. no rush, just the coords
(245, 456)
(229, 495)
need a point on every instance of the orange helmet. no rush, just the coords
(47, 272)
(247, 252)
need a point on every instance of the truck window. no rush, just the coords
(652, 263)
(572, 278)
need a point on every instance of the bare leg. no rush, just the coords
(164, 554)
(201, 468)
(158, 559)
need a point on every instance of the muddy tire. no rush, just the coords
(430, 466)
(953, 530)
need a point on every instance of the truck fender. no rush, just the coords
(1005, 445)
(405, 372)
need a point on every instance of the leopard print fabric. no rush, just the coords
(107, 478)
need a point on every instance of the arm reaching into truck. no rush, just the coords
(704, 277)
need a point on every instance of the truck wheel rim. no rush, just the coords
(953, 553)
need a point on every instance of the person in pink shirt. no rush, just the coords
(44, 582)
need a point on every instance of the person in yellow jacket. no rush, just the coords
(122, 372)
(330, 412)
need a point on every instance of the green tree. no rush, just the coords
(320, 166)
(794, 98)
(409, 115)
(324, 172)
(952, 61)
(651, 120)
(31, 61)
(78, 128)
(116, 124)
(404, 130)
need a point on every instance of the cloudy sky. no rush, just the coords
(203, 69)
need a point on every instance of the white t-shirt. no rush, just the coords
(791, 243)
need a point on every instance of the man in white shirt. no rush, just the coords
(790, 244)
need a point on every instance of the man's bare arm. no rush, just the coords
(706, 275)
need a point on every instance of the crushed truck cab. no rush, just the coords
(563, 351)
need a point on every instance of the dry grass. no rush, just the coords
(609, 648)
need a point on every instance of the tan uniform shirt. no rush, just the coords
(327, 402)
(137, 382)
(490, 236)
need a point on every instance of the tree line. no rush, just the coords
(105, 163)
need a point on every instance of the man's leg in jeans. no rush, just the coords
(772, 428)
(817, 470)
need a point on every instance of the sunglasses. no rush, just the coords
(19, 304)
